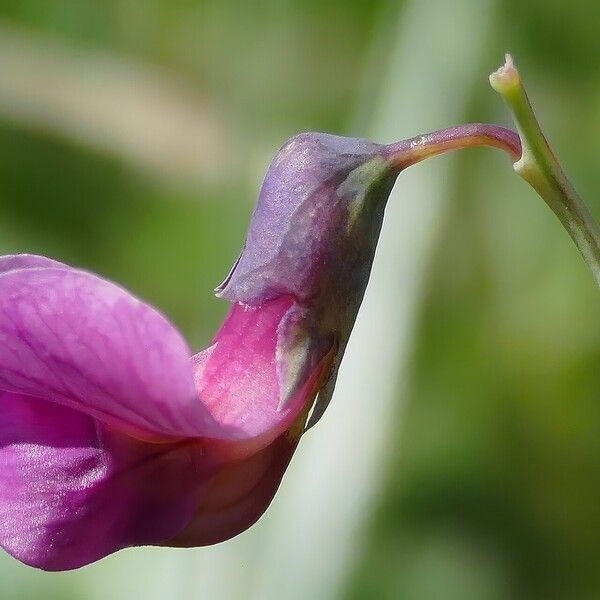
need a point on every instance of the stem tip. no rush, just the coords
(506, 78)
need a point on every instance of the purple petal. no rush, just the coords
(72, 492)
(244, 377)
(73, 338)
(300, 229)
(241, 492)
(313, 236)
(13, 262)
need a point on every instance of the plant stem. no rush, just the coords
(540, 168)
(409, 152)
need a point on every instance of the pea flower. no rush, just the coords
(113, 434)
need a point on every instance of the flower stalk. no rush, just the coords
(540, 168)
(408, 152)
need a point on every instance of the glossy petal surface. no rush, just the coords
(72, 491)
(239, 495)
(73, 338)
(238, 377)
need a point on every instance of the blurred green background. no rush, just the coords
(133, 138)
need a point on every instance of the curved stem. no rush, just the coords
(541, 169)
(409, 152)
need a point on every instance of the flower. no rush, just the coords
(112, 434)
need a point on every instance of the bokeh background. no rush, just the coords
(460, 458)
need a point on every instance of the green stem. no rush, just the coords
(540, 168)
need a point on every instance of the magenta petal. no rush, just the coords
(72, 492)
(73, 338)
(240, 379)
(13, 262)
(236, 498)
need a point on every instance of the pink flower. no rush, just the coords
(112, 434)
